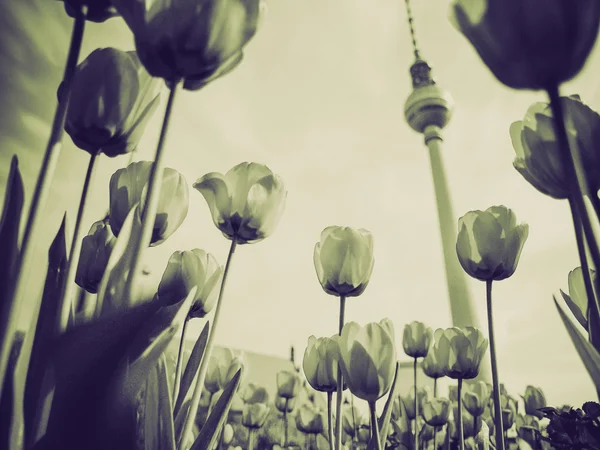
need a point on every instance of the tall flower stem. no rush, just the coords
(355, 437)
(179, 365)
(67, 305)
(435, 429)
(285, 425)
(193, 409)
(416, 403)
(495, 382)
(150, 207)
(340, 383)
(461, 432)
(330, 418)
(251, 438)
(8, 321)
(571, 161)
(374, 425)
(592, 313)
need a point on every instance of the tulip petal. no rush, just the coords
(215, 190)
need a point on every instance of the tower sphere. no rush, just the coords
(428, 105)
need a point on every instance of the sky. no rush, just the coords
(319, 98)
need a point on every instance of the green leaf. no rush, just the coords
(384, 420)
(216, 420)
(44, 331)
(587, 352)
(158, 429)
(575, 309)
(191, 369)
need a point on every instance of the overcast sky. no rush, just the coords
(320, 99)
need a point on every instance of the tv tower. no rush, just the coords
(428, 110)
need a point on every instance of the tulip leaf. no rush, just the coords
(575, 309)
(180, 418)
(384, 420)
(44, 331)
(191, 369)
(588, 354)
(158, 430)
(8, 406)
(216, 420)
(117, 268)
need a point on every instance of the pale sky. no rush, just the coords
(320, 99)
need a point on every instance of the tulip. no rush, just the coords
(482, 439)
(128, 186)
(508, 418)
(227, 434)
(96, 248)
(436, 411)
(320, 364)
(476, 397)
(194, 40)
(367, 359)
(255, 394)
(416, 339)
(344, 260)
(534, 399)
(577, 298)
(112, 97)
(223, 365)
(423, 395)
(471, 425)
(285, 405)
(254, 415)
(246, 203)
(461, 351)
(309, 420)
(431, 365)
(489, 243)
(545, 47)
(288, 384)
(189, 269)
(228, 371)
(97, 10)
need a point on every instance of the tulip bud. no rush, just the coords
(255, 394)
(423, 395)
(223, 365)
(461, 351)
(534, 399)
(436, 411)
(416, 339)
(344, 260)
(196, 41)
(254, 415)
(96, 248)
(97, 10)
(310, 420)
(128, 186)
(508, 418)
(577, 299)
(527, 58)
(112, 97)
(320, 364)
(288, 384)
(285, 405)
(431, 364)
(367, 359)
(476, 397)
(227, 372)
(489, 243)
(227, 434)
(191, 269)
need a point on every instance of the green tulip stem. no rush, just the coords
(150, 206)
(340, 383)
(355, 437)
(9, 317)
(374, 425)
(594, 306)
(461, 433)
(496, 385)
(179, 365)
(285, 424)
(330, 418)
(573, 166)
(195, 402)
(416, 403)
(67, 304)
(435, 380)
(251, 438)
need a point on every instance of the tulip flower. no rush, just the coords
(194, 40)
(423, 395)
(460, 351)
(476, 398)
(223, 365)
(128, 186)
(96, 248)
(254, 393)
(344, 260)
(97, 10)
(112, 97)
(309, 420)
(254, 415)
(529, 57)
(489, 243)
(320, 364)
(285, 405)
(534, 399)
(246, 203)
(186, 270)
(577, 298)
(436, 411)
(431, 365)
(288, 384)
(227, 434)
(416, 339)
(482, 439)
